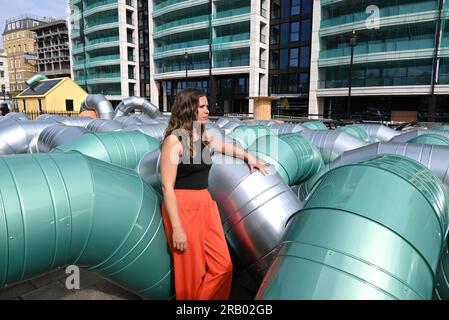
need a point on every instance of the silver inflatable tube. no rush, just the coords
(132, 103)
(156, 131)
(57, 135)
(100, 104)
(128, 121)
(254, 209)
(436, 158)
(148, 169)
(101, 125)
(16, 115)
(223, 121)
(405, 137)
(17, 136)
(144, 118)
(331, 143)
(378, 131)
(287, 128)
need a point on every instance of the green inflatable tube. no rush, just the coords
(246, 135)
(371, 230)
(314, 125)
(430, 139)
(293, 156)
(61, 209)
(357, 132)
(123, 148)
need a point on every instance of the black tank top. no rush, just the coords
(193, 172)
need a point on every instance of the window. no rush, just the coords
(274, 84)
(293, 62)
(294, 33)
(69, 105)
(285, 9)
(2, 74)
(275, 9)
(274, 59)
(1, 63)
(306, 6)
(293, 83)
(305, 57)
(306, 26)
(284, 32)
(303, 82)
(296, 7)
(284, 59)
(274, 34)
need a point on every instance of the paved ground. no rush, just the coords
(51, 286)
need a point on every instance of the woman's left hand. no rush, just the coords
(261, 166)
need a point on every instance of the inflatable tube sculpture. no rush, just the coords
(63, 209)
(356, 240)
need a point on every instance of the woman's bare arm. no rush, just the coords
(171, 151)
(233, 151)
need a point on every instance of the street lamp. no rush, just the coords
(352, 44)
(186, 58)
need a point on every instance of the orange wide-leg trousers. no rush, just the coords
(204, 270)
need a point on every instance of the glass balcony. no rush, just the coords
(98, 4)
(376, 82)
(181, 22)
(384, 12)
(229, 63)
(162, 68)
(166, 4)
(182, 45)
(231, 13)
(388, 46)
(233, 38)
(90, 23)
(108, 75)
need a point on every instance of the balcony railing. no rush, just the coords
(388, 46)
(181, 22)
(384, 12)
(182, 45)
(376, 82)
(231, 13)
(233, 38)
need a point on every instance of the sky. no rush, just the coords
(13, 8)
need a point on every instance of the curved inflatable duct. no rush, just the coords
(77, 121)
(100, 105)
(247, 135)
(294, 158)
(101, 125)
(259, 122)
(357, 132)
(124, 149)
(435, 158)
(35, 79)
(128, 121)
(230, 126)
(379, 132)
(405, 137)
(56, 135)
(430, 139)
(442, 278)
(223, 121)
(68, 209)
(444, 127)
(314, 125)
(18, 136)
(15, 116)
(332, 143)
(148, 169)
(157, 131)
(136, 103)
(50, 117)
(336, 247)
(144, 118)
(254, 209)
(286, 128)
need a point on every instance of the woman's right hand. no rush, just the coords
(179, 239)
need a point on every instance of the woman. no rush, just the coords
(202, 264)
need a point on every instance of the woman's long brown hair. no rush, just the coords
(183, 115)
